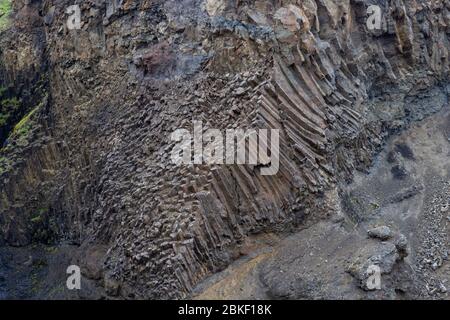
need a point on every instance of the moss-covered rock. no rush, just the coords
(5, 11)
(10, 112)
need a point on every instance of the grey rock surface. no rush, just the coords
(85, 157)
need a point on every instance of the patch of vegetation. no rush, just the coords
(36, 275)
(25, 121)
(5, 164)
(17, 136)
(42, 227)
(36, 219)
(8, 108)
(21, 131)
(5, 11)
(51, 249)
(39, 217)
(374, 206)
(23, 126)
(9, 111)
(56, 291)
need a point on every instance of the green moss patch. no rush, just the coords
(24, 125)
(20, 134)
(8, 108)
(5, 11)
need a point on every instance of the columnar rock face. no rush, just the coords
(94, 168)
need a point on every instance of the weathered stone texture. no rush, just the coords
(138, 70)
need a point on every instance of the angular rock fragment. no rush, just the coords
(382, 232)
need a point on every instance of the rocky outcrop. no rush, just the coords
(373, 247)
(97, 169)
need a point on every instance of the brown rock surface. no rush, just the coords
(93, 167)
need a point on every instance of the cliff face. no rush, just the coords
(90, 165)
